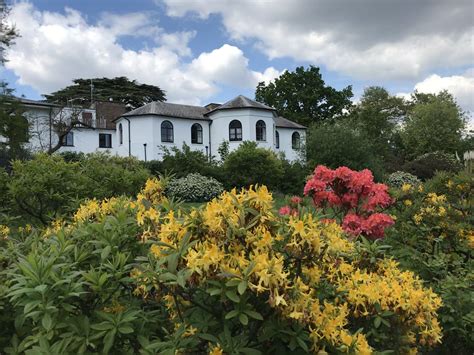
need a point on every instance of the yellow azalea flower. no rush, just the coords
(408, 202)
(216, 350)
(406, 187)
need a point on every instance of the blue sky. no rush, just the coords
(212, 50)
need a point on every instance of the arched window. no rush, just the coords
(277, 140)
(295, 140)
(196, 133)
(235, 131)
(167, 132)
(120, 133)
(261, 131)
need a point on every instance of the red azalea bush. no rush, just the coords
(354, 196)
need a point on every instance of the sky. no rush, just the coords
(202, 51)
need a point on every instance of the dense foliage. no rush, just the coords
(47, 187)
(250, 165)
(339, 144)
(231, 277)
(400, 178)
(303, 96)
(433, 236)
(194, 188)
(426, 165)
(119, 89)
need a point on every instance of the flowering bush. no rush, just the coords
(231, 277)
(194, 188)
(433, 236)
(399, 178)
(425, 166)
(354, 196)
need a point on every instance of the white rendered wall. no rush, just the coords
(147, 129)
(86, 140)
(286, 143)
(248, 118)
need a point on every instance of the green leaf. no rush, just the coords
(232, 314)
(125, 329)
(214, 291)
(243, 319)
(254, 315)
(47, 321)
(232, 296)
(242, 287)
(102, 326)
(109, 341)
(377, 322)
(105, 252)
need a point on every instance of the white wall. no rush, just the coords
(86, 140)
(147, 129)
(248, 117)
(286, 140)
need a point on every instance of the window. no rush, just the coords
(105, 140)
(277, 140)
(295, 140)
(87, 118)
(68, 139)
(167, 132)
(120, 133)
(196, 133)
(235, 131)
(261, 131)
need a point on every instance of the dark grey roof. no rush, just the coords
(242, 102)
(282, 122)
(34, 102)
(171, 110)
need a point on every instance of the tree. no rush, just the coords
(303, 97)
(379, 115)
(119, 89)
(339, 144)
(8, 33)
(435, 122)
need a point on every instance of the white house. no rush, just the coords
(96, 134)
(147, 130)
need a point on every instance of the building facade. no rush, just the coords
(148, 131)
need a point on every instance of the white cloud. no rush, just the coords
(369, 39)
(460, 86)
(55, 48)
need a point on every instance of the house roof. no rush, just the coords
(29, 102)
(172, 110)
(282, 122)
(242, 102)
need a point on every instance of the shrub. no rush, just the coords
(426, 165)
(339, 144)
(194, 188)
(184, 161)
(399, 178)
(353, 197)
(47, 187)
(433, 237)
(110, 176)
(294, 177)
(232, 277)
(250, 165)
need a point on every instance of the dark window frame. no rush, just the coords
(106, 142)
(65, 139)
(261, 131)
(196, 134)
(120, 133)
(295, 141)
(277, 139)
(235, 131)
(167, 132)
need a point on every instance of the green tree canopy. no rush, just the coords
(303, 96)
(119, 89)
(378, 115)
(435, 122)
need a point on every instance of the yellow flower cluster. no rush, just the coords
(285, 263)
(436, 205)
(4, 231)
(94, 209)
(151, 195)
